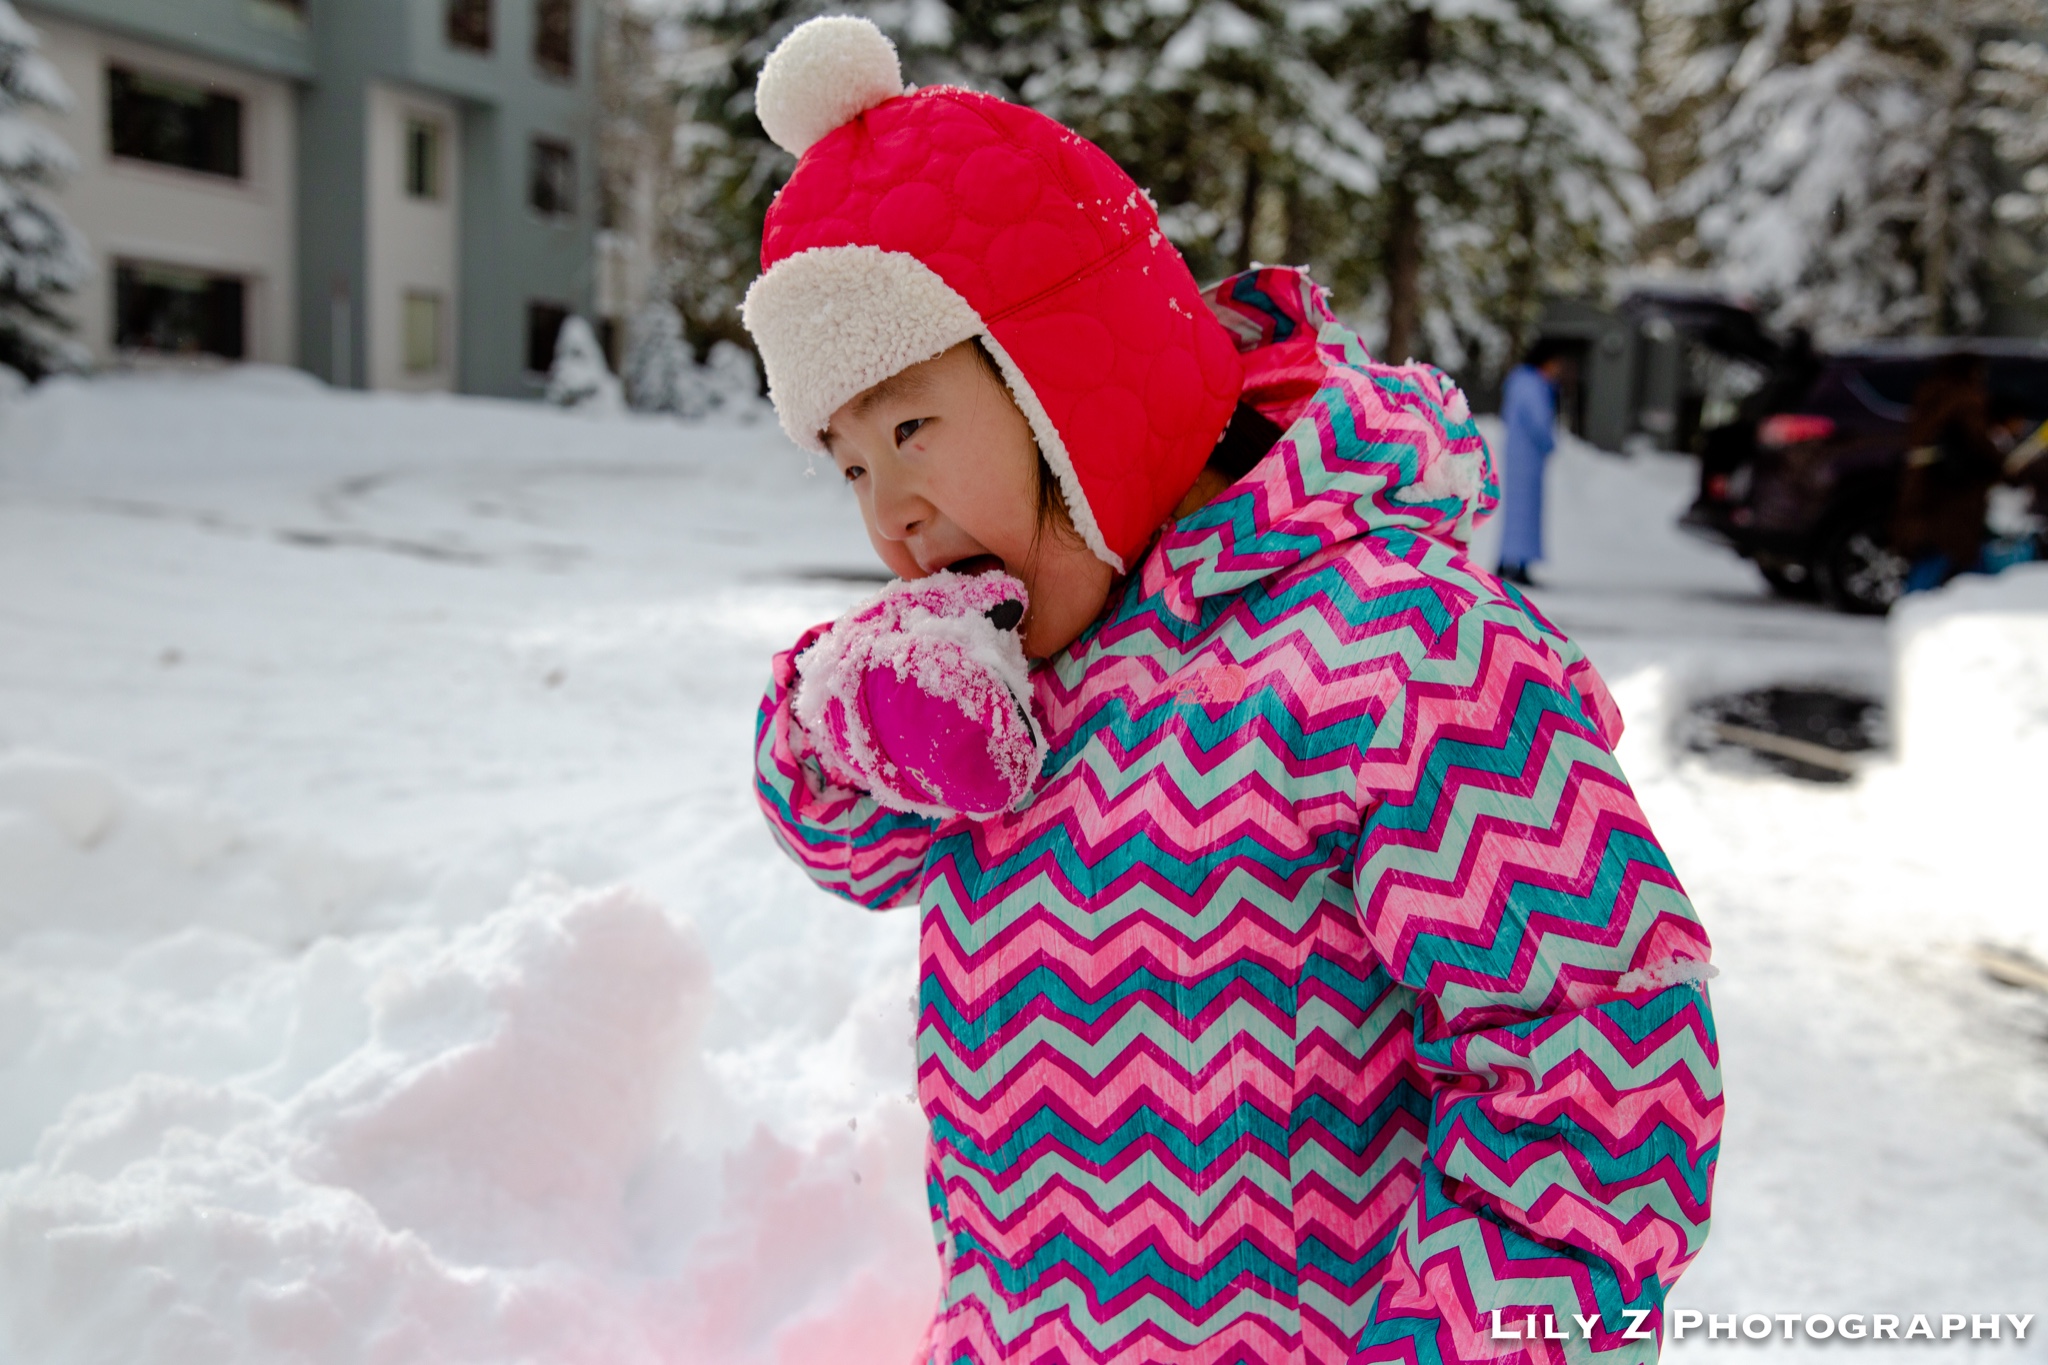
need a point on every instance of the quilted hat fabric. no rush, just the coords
(943, 214)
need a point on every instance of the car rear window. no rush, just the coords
(1865, 390)
(2019, 386)
(1890, 382)
(1862, 391)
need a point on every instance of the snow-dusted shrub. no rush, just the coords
(42, 257)
(657, 359)
(731, 379)
(580, 378)
(662, 375)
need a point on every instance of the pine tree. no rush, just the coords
(727, 169)
(1509, 170)
(658, 360)
(661, 375)
(41, 255)
(1440, 163)
(2012, 87)
(1836, 176)
(1248, 146)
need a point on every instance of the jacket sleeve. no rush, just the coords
(847, 842)
(1507, 876)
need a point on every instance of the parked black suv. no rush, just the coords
(1804, 480)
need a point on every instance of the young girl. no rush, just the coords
(1300, 980)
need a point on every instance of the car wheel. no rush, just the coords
(1790, 579)
(1859, 570)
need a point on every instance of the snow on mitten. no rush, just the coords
(923, 694)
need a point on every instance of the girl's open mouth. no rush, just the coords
(975, 565)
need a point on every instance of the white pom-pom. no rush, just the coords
(828, 70)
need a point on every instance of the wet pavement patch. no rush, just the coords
(1818, 734)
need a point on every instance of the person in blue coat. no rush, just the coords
(1528, 407)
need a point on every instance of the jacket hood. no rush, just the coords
(1367, 449)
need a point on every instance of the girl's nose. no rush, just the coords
(899, 512)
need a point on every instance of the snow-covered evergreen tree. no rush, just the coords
(658, 360)
(1440, 164)
(2012, 85)
(1510, 170)
(580, 378)
(1836, 177)
(661, 375)
(41, 256)
(733, 381)
(1250, 148)
(728, 170)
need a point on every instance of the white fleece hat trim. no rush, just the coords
(1055, 451)
(835, 321)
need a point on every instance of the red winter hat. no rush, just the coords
(916, 221)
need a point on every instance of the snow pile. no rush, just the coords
(73, 835)
(332, 727)
(1971, 698)
(305, 1053)
(1970, 717)
(499, 1143)
(426, 1112)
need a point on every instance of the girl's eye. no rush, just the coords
(853, 472)
(906, 430)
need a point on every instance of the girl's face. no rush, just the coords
(946, 471)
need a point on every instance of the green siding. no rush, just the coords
(259, 34)
(509, 254)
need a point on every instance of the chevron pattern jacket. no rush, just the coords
(1331, 1000)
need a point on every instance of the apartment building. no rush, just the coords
(393, 194)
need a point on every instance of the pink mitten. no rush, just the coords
(923, 694)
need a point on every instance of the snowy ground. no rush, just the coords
(326, 721)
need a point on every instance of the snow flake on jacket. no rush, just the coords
(1332, 991)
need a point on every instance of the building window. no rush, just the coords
(173, 123)
(167, 311)
(422, 332)
(469, 24)
(543, 324)
(422, 158)
(554, 37)
(551, 178)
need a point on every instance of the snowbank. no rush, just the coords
(416, 1139)
(312, 707)
(334, 729)
(246, 1140)
(1971, 692)
(1970, 719)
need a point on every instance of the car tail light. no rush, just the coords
(1794, 428)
